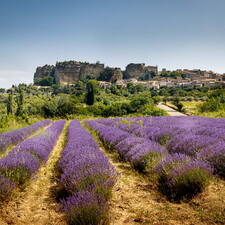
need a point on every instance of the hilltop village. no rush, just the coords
(69, 72)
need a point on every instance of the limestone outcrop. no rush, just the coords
(140, 71)
(69, 72)
(43, 71)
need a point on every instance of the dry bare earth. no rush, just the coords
(35, 205)
(136, 201)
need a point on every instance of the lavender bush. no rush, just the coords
(26, 157)
(194, 149)
(85, 207)
(190, 144)
(142, 153)
(16, 136)
(109, 135)
(86, 178)
(215, 156)
(125, 145)
(181, 178)
(6, 186)
(145, 156)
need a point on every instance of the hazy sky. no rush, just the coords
(168, 33)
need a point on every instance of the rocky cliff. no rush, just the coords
(139, 71)
(69, 72)
(43, 71)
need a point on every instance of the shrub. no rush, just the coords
(190, 144)
(6, 186)
(215, 156)
(125, 145)
(181, 178)
(84, 208)
(86, 179)
(145, 156)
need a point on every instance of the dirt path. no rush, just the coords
(35, 206)
(169, 110)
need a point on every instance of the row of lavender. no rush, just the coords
(14, 137)
(180, 175)
(198, 137)
(25, 159)
(86, 178)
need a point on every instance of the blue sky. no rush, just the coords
(168, 33)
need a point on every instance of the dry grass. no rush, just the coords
(35, 205)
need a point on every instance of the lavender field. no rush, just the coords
(147, 170)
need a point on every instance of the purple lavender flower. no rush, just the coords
(86, 177)
(181, 177)
(145, 156)
(85, 207)
(23, 160)
(6, 186)
(16, 136)
(125, 145)
(190, 144)
(215, 156)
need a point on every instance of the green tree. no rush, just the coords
(20, 103)
(178, 104)
(9, 104)
(90, 95)
(139, 100)
(165, 99)
(106, 75)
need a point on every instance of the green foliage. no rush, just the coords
(215, 103)
(9, 104)
(106, 75)
(20, 103)
(69, 101)
(151, 110)
(90, 96)
(19, 175)
(50, 108)
(139, 100)
(165, 99)
(88, 214)
(172, 74)
(133, 89)
(178, 104)
(46, 81)
(79, 88)
(156, 99)
(147, 162)
(186, 185)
